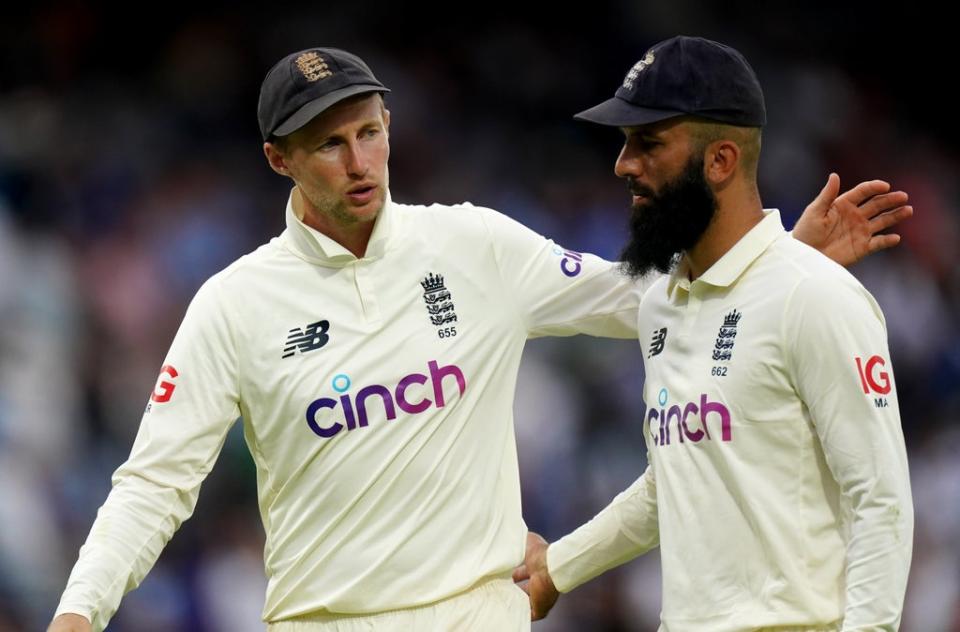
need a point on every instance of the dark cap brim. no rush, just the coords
(617, 112)
(309, 110)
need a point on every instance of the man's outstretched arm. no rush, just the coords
(623, 530)
(181, 433)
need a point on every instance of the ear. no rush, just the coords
(386, 120)
(720, 161)
(276, 159)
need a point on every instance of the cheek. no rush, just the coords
(382, 156)
(319, 173)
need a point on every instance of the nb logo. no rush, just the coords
(658, 342)
(312, 337)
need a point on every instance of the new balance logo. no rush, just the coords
(310, 338)
(659, 340)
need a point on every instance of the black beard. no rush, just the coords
(671, 222)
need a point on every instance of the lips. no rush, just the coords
(637, 189)
(362, 193)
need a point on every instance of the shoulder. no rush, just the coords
(816, 284)
(811, 269)
(659, 285)
(451, 213)
(238, 275)
(452, 216)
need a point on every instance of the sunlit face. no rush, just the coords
(339, 160)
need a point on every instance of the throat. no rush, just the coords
(352, 234)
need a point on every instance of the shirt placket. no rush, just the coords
(691, 311)
(366, 290)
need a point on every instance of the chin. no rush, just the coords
(370, 210)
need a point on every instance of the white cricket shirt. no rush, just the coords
(376, 396)
(777, 488)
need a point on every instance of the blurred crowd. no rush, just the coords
(131, 170)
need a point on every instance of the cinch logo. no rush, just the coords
(570, 264)
(681, 416)
(355, 408)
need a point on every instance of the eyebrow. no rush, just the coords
(322, 137)
(642, 133)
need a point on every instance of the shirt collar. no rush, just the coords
(732, 264)
(313, 246)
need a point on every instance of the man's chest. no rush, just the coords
(716, 368)
(343, 348)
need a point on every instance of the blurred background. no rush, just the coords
(131, 170)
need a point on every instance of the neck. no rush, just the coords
(737, 212)
(353, 236)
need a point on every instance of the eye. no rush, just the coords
(328, 144)
(370, 132)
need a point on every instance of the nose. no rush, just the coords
(628, 163)
(357, 163)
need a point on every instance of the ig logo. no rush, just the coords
(163, 391)
(874, 379)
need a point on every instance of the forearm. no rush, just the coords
(623, 530)
(134, 524)
(878, 560)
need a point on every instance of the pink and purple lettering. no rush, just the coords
(682, 416)
(391, 399)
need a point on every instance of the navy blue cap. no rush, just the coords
(303, 84)
(681, 76)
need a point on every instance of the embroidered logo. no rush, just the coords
(723, 349)
(571, 263)
(310, 338)
(874, 380)
(163, 391)
(438, 300)
(637, 69)
(658, 342)
(313, 67)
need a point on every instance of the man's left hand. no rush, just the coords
(846, 228)
(534, 578)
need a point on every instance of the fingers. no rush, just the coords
(865, 190)
(520, 574)
(831, 188)
(883, 203)
(890, 218)
(821, 203)
(882, 242)
(537, 613)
